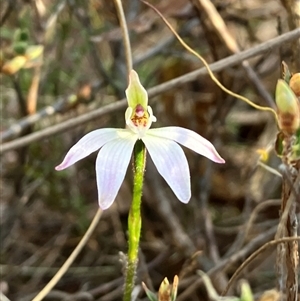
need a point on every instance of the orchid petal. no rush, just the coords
(89, 144)
(111, 166)
(190, 140)
(171, 163)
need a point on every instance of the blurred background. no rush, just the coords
(63, 59)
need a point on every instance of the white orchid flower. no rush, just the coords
(116, 147)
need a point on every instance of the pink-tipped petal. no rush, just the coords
(111, 165)
(171, 163)
(190, 140)
(88, 144)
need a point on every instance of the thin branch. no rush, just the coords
(44, 292)
(176, 82)
(65, 103)
(125, 34)
(255, 254)
(255, 212)
(228, 262)
(231, 44)
(62, 105)
(210, 72)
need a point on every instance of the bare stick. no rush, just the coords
(43, 293)
(157, 90)
(224, 34)
(224, 264)
(125, 34)
(255, 254)
(210, 72)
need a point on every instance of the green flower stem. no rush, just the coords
(134, 218)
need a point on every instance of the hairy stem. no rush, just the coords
(134, 218)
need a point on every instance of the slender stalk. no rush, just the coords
(134, 218)
(44, 292)
(125, 34)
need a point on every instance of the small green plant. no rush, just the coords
(166, 292)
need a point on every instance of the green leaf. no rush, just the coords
(151, 296)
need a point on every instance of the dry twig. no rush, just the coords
(176, 82)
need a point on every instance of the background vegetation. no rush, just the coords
(82, 72)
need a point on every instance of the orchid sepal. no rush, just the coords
(136, 94)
